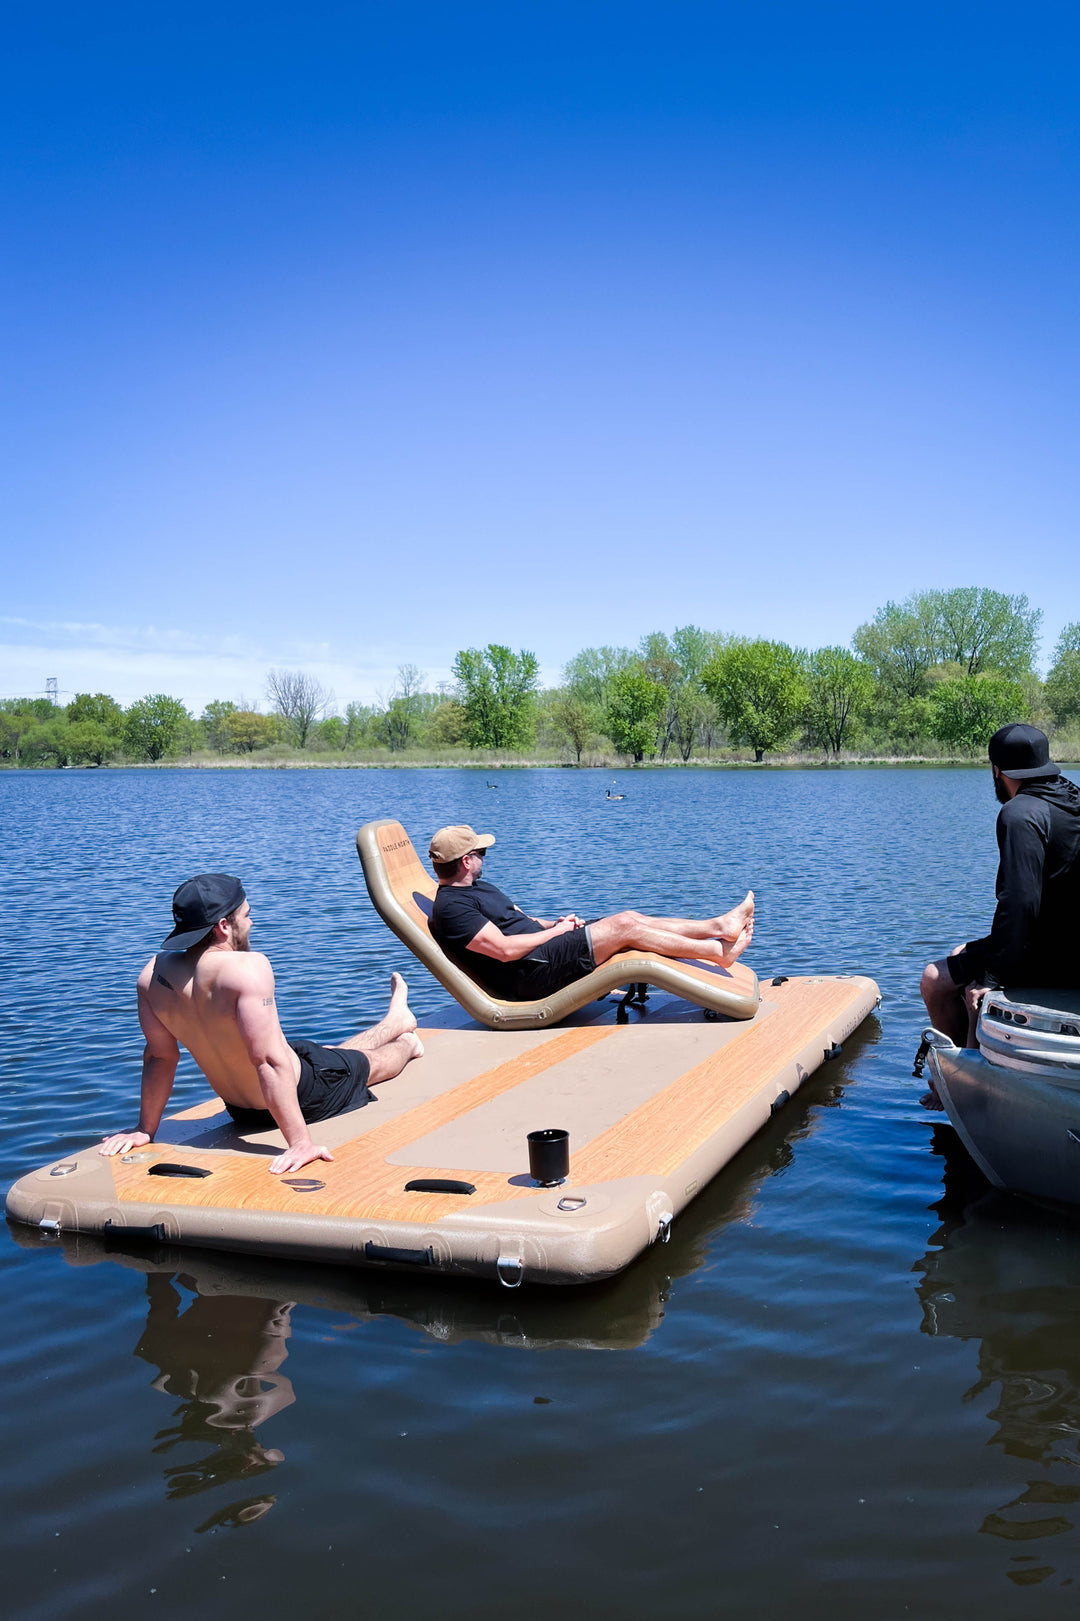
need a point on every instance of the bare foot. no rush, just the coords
(412, 1041)
(400, 1018)
(731, 925)
(733, 949)
(724, 952)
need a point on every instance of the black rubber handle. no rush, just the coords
(167, 1167)
(386, 1252)
(114, 1229)
(438, 1184)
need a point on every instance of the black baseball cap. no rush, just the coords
(1022, 751)
(199, 904)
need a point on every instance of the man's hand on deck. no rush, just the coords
(299, 1155)
(122, 1142)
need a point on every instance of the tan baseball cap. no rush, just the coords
(449, 843)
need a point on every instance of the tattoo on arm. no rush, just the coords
(268, 1001)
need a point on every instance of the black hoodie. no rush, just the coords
(1035, 937)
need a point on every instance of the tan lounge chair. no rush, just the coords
(402, 892)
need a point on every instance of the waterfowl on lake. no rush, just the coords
(610, 795)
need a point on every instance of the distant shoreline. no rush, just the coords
(783, 763)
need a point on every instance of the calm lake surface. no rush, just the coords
(848, 1387)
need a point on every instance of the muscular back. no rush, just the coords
(208, 1005)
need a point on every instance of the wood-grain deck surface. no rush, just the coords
(654, 1138)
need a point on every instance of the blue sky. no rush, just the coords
(350, 335)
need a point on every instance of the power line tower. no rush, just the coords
(52, 689)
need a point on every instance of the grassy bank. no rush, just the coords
(283, 759)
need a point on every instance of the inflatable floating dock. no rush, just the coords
(434, 1175)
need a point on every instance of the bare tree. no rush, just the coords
(299, 699)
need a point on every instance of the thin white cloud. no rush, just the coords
(131, 660)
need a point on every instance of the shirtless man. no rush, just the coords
(521, 958)
(215, 996)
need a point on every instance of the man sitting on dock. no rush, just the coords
(215, 996)
(521, 959)
(1034, 939)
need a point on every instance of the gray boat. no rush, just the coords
(1015, 1098)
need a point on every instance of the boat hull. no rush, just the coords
(1021, 1129)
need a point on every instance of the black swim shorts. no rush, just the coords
(549, 968)
(332, 1081)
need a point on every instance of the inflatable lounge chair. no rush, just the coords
(402, 892)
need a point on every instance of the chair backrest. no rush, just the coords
(397, 880)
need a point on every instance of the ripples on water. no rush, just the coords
(850, 1384)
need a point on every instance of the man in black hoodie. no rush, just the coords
(1035, 936)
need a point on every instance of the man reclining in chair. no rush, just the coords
(518, 958)
(209, 992)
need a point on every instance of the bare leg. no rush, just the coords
(390, 1059)
(726, 927)
(399, 1021)
(945, 1001)
(629, 931)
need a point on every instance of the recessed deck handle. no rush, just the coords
(387, 1252)
(438, 1184)
(170, 1168)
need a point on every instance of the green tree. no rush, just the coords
(760, 690)
(971, 626)
(634, 706)
(95, 726)
(404, 708)
(358, 719)
(589, 672)
(213, 721)
(88, 742)
(97, 707)
(448, 725)
(983, 630)
(840, 688)
(968, 709)
(154, 726)
(574, 721)
(899, 645)
(245, 730)
(1063, 682)
(497, 690)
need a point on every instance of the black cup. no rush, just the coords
(549, 1156)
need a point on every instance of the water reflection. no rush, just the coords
(218, 1325)
(222, 1356)
(1008, 1274)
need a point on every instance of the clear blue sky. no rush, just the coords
(351, 334)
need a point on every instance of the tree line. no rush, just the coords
(941, 669)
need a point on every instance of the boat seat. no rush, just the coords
(402, 892)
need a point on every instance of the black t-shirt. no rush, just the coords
(457, 916)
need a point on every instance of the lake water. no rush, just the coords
(849, 1386)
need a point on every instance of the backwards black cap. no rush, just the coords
(199, 904)
(1022, 751)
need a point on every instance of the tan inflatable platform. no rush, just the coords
(434, 1176)
(402, 891)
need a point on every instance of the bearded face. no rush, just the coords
(1001, 793)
